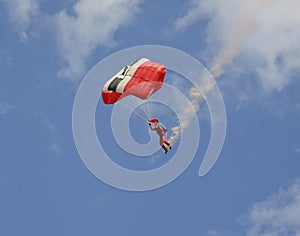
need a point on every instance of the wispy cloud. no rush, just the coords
(54, 146)
(212, 232)
(4, 108)
(277, 215)
(91, 24)
(5, 59)
(264, 35)
(88, 25)
(20, 14)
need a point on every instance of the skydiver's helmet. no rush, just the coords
(153, 121)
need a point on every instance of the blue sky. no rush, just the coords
(252, 49)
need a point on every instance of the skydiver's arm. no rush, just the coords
(164, 129)
(152, 127)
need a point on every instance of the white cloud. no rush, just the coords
(80, 30)
(21, 13)
(275, 45)
(262, 34)
(199, 10)
(92, 24)
(278, 215)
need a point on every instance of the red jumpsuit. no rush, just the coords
(160, 130)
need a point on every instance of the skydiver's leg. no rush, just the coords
(164, 142)
(164, 139)
(161, 142)
(167, 142)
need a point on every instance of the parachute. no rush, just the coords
(142, 78)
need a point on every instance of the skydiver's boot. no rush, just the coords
(165, 149)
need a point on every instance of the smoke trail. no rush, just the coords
(244, 25)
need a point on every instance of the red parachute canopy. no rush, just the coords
(142, 78)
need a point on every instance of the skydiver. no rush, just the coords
(161, 131)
